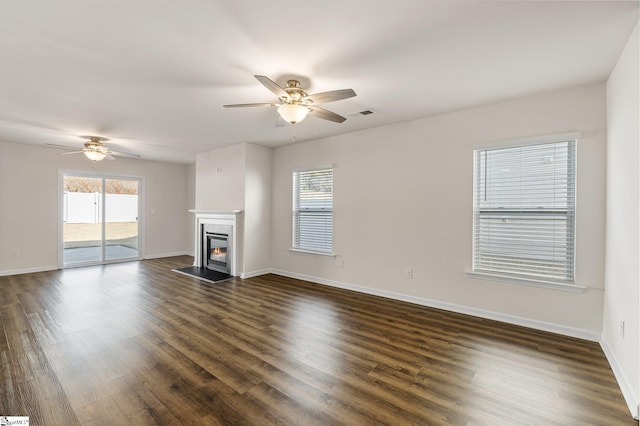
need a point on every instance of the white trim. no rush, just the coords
(8, 272)
(142, 217)
(61, 173)
(625, 386)
(162, 255)
(510, 319)
(311, 252)
(215, 212)
(532, 140)
(245, 275)
(526, 281)
(316, 167)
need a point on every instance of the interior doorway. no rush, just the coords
(100, 219)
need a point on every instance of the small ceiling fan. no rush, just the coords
(95, 150)
(294, 103)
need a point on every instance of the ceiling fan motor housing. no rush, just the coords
(295, 92)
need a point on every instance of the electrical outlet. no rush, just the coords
(15, 254)
(408, 273)
(622, 328)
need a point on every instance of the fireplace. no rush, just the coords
(216, 252)
(216, 247)
(217, 235)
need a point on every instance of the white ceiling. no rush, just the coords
(153, 75)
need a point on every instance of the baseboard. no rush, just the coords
(27, 270)
(252, 274)
(53, 268)
(161, 255)
(496, 316)
(627, 391)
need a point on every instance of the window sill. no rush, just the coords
(310, 252)
(573, 288)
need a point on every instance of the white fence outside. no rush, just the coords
(82, 207)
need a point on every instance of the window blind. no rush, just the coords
(313, 210)
(524, 211)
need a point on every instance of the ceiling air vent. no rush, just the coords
(359, 113)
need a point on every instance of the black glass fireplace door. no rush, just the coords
(216, 252)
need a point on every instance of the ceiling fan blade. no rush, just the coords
(53, 145)
(326, 114)
(251, 105)
(72, 152)
(124, 154)
(331, 96)
(272, 85)
(110, 157)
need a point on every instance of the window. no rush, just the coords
(313, 210)
(524, 211)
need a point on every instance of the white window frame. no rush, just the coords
(309, 248)
(563, 283)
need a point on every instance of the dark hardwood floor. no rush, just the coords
(135, 343)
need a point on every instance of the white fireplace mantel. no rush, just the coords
(216, 212)
(217, 217)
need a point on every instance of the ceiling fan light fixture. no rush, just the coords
(294, 103)
(95, 155)
(293, 113)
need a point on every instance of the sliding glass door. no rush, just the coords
(121, 219)
(100, 219)
(82, 220)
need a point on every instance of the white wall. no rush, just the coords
(257, 215)
(403, 198)
(220, 175)
(622, 266)
(29, 204)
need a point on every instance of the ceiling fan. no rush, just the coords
(95, 150)
(294, 103)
